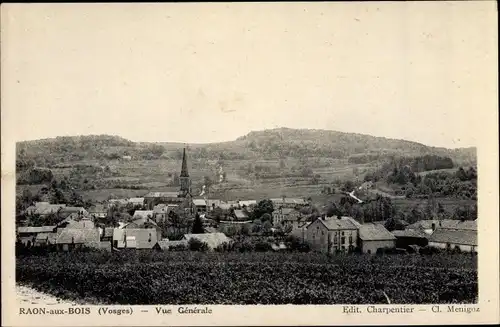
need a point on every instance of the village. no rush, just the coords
(178, 220)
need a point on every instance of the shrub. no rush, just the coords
(224, 247)
(178, 247)
(197, 245)
(263, 246)
(244, 246)
(429, 250)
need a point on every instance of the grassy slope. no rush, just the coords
(262, 148)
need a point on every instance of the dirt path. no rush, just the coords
(29, 296)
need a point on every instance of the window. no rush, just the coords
(350, 239)
(322, 233)
(335, 240)
(342, 240)
(342, 233)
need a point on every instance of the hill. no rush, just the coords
(268, 144)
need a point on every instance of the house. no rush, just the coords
(286, 216)
(226, 207)
(212, 204)
(161, 211)
(46, 239)
(200, 205)
(213, 240)
(27, 235)
(464, 239)
(64, 212)
(43, 209)
(300, 231)
(375, 236)
(248, 205)
(136, 201)
(118, 202)
(143, 223)
(240, 215)
(285, 202)
(153, 198)
(407, 237)
(332, 235)
(231, 227)
(70, 239)
(74, 222)
(135, 238)
(107, 234)
(143, 214)
(98, 211)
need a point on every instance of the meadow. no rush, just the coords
(189, 277)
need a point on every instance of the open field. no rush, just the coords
(252, 278)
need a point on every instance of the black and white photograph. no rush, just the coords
(248, 154)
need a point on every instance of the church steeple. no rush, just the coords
(184, 169)
(184, 177)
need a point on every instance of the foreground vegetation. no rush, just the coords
(190, 277)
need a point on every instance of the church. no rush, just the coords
(182, 197)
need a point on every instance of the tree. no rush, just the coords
(197, 225)
(217, 214)
(262, 207)
(266, 227)
(390, 224)
(266, 217)
(348, 186)
(333, 210)
(207, 181)
(76, 200)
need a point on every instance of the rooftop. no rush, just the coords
(462, 237)
(416, 233)
(445, 224)
(338, 224)
(41, 229)
(68, 236)
(199, 202)
(374, 232)
(162, 195)
(240, 214)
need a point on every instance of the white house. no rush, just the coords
(465, 240)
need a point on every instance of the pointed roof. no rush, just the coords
(184, 169)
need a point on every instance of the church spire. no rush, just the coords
(184, 169)
(184, 177)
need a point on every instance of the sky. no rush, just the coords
(199, 73)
